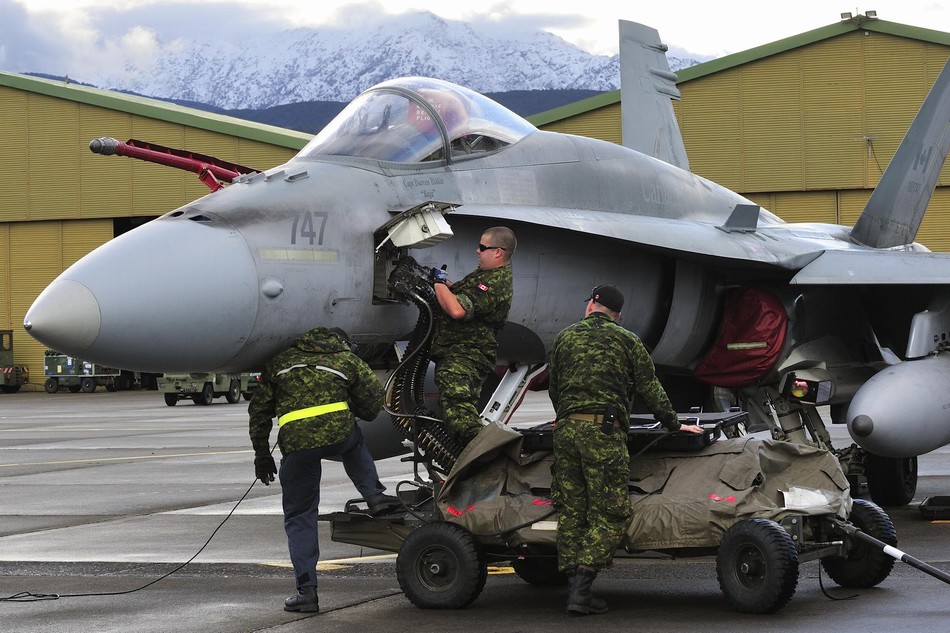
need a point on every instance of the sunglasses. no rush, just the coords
(482, 248)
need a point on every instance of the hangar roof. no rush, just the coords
(859, 23)
(156, 109)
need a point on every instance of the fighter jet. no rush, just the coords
(739, 307)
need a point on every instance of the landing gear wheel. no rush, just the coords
(234, 392)
(539, 570)
(171, 399)
(892, 481)
(864, 566)
(51, 385)
(757, 566)
(440, 566)
(206, 396)
(88, 385)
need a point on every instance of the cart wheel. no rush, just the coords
(539, 570)
(206, 396)
(757, 566)
(864, 565)
(171, 399)
(51, 385)
(440, 566)
(88, 385)
(892, 481)
(234, 392)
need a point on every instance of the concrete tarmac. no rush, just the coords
(104, 494)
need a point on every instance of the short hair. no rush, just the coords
(504, 237)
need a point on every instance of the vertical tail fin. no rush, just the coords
(646, 88)
(896, 208)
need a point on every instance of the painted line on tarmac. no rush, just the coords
(124, 459)
(345, 563)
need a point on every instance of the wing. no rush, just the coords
(868, 267)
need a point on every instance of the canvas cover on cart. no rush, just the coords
(680, 499)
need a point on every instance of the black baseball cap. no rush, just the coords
(608, 296)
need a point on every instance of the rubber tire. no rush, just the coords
(864, 565)
(51, 385)
(892, 481)
(171, 399)
(234, 392)
(440, 566)
(88, 385)
(757, 566)
(9, 388)
(206, 396)
(539, 570)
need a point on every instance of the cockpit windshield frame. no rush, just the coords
(418, 120)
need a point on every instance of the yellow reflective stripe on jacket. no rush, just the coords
(311, 412)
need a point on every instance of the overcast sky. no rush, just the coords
(85, 37)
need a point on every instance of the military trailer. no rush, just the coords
(759, 506)
(203, 388)
(12, 377)
(76, 374)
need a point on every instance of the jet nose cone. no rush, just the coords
(65, 316)
(172, 295)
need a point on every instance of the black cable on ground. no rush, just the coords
(27, 596)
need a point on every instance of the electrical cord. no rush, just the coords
(27, 596)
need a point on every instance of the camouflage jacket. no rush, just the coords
(595, 363)
(486, 297)
(317, 369)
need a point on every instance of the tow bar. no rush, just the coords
(893, 552)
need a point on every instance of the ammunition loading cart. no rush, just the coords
(761, 507)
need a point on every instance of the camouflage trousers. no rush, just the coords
(459, 375)
(589, 490)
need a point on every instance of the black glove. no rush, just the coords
(438, 276)
(265, 468)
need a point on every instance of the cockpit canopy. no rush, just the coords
(412, 120)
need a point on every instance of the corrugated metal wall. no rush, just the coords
(602, 123)
(824, 118)
(58, 199)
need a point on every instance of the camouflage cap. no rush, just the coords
(608, 296)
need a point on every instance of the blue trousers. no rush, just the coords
(300, 487)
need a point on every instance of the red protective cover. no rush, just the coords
(750, 339)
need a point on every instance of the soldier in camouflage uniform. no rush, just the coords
(314, 388)
(465, 340)
(596, 368)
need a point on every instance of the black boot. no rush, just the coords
(304, 600)
(580, 599)
(383, 504)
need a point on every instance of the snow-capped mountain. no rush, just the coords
(299, 65)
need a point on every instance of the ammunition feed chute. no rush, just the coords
(405, 388)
